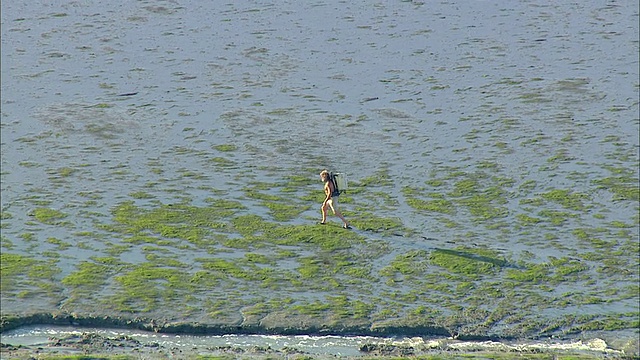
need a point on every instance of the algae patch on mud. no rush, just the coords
(225, 232)
(48, 215)
(494, 191)
(251, 261)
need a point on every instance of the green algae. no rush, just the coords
(527, 220)
(222, 162)
(65, 171)
(410, 264)
(368, 221)
(17, 271)
(337, 307)
(48, 215)
(243, 253)
(284, 212)
(471, 262)
(311, 268)
(11, 266)
(566, 269)
(327, 238)
(88, 277)
(562, 155)
(147, 287)
(484, 197)
(179, 221)
(554, 272)
(221, 268)
(555, 217)
(165, 222)
(60, 244)
(381, 178)
(566, 198)
(141, 195)
(280, 208)
(5, 215)
(299, 181)
(439, 204)
(226, 147)
(622, 187)
(483, 208)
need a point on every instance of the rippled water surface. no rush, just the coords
(504, 133)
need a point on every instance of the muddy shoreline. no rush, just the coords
(86, 342)
(10, 322)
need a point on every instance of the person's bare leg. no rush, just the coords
(324, 214)
(339, 214)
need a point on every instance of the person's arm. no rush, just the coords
(327, 191)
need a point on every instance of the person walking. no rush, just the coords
(330, 200)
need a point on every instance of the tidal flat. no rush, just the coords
(160, 168)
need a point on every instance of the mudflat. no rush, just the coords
(160, 167)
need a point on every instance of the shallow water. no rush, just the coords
(100, 103)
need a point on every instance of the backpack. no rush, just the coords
(339, 182)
